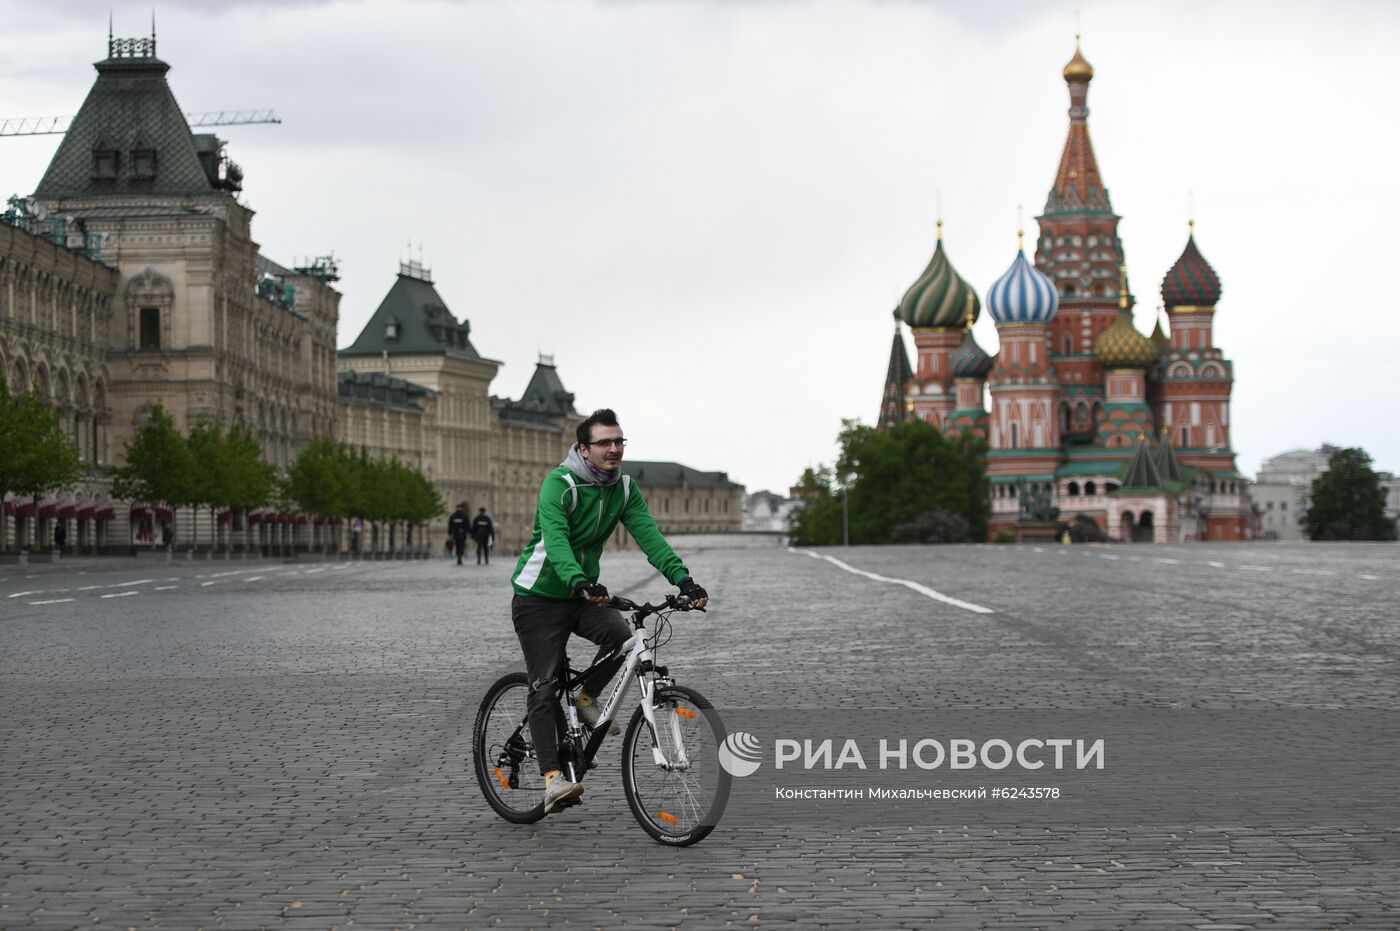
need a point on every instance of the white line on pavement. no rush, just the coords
(921, 589)
(54, 601)
(35, 592)
(1173, 562)
(1106, 556)
(202, 584)
(119, 594)
(1256, 568)
(314, 571)
(254, 578)
(1370, 578)
(165, 588)
(1312, 571)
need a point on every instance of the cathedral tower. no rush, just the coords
(1079, 250)
(936, 307)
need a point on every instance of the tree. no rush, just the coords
(211, 471)
(251, 479)
(35, 456)
(1348, 502)
(910, 478)
(317, 481)
(159, 467)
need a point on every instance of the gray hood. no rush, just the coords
(586, 473)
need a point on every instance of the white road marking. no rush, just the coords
(208, 583)
(1312, 571)
(119, 594)
(1370, 578)
(54, 601)
(921, 589)
(35, 592)
(165, 588)
(1174, 562)
(1214, 565)
(314, 571)
(1255, 568)
(254, 578)
(1107, 556)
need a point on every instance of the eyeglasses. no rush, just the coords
(606, 444)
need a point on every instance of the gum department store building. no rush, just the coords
(131, 278)
(1086, 413)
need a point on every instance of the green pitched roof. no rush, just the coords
(1168, 466)
(421, 325)
(673, 475)
(130, 108)
(543, 400)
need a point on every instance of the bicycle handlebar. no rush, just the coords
(671, 603)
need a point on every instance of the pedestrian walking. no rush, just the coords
(60, 536)
(457, 530)
(483, 532)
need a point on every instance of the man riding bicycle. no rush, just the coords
(557, 592)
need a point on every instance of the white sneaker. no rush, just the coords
(590, 713)
(559, 791)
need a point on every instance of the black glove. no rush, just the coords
(692, 590)
(590, 590)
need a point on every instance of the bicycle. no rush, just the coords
(671, 774)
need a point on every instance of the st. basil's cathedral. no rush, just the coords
(1088, 415)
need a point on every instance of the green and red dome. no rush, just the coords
(1191, 282)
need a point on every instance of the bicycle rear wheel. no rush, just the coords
(679, 802)
(506, 766)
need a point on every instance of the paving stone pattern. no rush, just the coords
(286, 746)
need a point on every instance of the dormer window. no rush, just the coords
(104, 163)
(391, 329)
(143, 164)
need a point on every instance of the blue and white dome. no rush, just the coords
(1022, 295)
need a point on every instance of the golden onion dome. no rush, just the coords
(1078, 71)
(1121, 346)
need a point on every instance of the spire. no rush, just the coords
(897, 378)
(1142, 472)
(1078, 185)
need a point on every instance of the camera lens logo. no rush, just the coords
(740, 754)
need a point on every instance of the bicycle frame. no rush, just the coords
(640, 664)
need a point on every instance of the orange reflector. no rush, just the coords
(501, 778)
(685, 712)
(667, 817)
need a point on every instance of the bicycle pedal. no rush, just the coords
(566, 803)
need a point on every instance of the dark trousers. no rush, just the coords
(483, 553)
(460, 545)
(543, 626)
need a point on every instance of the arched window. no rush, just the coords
(1090, 488)
(1073, 489)
(1067, 345)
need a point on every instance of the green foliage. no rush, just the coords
(910, 478)
(1004, 536)
(1348, 502)
(160, 468)
(327, 480)
(35, 456)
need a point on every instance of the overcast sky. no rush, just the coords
(706, 210)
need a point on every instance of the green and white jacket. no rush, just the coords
(573, 521)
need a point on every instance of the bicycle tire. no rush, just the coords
(515, 791)
(695, 815)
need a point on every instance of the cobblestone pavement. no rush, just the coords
(286, 745)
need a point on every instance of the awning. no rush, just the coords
(49, 510)
(107, 513)
(89, 511)
(299, 519)
(139, 511)
(68, 510)
(163, 513)
(24, 509)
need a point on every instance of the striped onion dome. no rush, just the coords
(1191, 282)
(970, 360)
(1022, 295)
(1121, 346)
(940, 298)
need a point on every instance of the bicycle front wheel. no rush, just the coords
(678, 799)
(506, 766)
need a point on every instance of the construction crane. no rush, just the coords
(57, 125)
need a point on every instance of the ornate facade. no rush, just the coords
(1088, 417)
(201, 322)
(55, 307)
